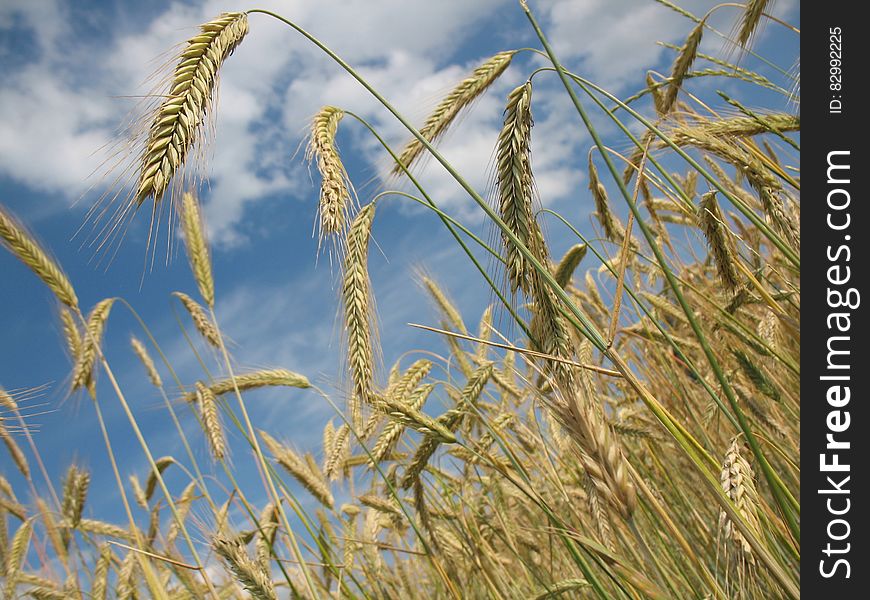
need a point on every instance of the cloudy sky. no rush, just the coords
(74, 72)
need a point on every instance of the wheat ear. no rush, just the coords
(249, 573)
(200, 319)
(516, 185)
(16, 239)
(176, 124)
(208, 410)
(304, 471)
(711, 222)
(682, 64)
(452, 105)
(335, 197)
(359, 312)
(142, 354)
(197, 247)
(254, 380)
(83, 372)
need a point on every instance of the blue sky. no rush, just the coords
(73, 70)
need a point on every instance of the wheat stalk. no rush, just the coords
(175, 126)
(452, 105)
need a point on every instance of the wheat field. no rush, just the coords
(622, 421)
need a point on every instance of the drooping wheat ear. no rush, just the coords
(14, 451)
(335, 195)
(71, 334)
(452, 105)
(249, 573)
(83, 372)
(254, 380)
(712, 223)
(613, 229)
(75, 492)
(197, 247)
(448, 311)
(569, 263)
(162, 464)
(392, 432)
(337, 454)
(738, 483)
(211, 422)
(751, 19)
(177, 121)
(516, 187)
(200, 319)
(15, 557)
(145, 358)
(304, 471)
(682, 64)
(20, 243)
(359, 312)
(100, 583)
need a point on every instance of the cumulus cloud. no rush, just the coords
(61, 102)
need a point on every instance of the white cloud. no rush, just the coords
(58, 109)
